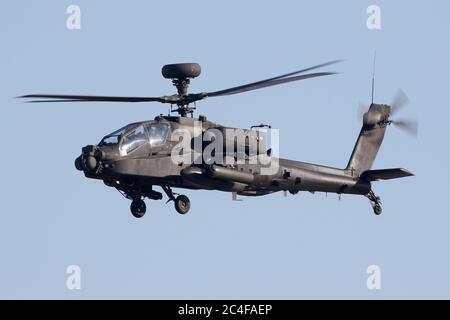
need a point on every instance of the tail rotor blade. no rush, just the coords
(399, 102)
(410, 126)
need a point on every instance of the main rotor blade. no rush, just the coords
(265, 83)
(190, 98)
(82, 98)
(300, 71)
(255, 85)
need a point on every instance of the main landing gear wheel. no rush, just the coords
(138, 208)
(182, 204)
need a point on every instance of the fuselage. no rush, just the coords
(140, 156)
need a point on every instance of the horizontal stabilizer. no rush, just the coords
(385, 174)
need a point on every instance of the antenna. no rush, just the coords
(373, 74)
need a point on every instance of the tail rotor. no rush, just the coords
(400, 101)
(407, 125)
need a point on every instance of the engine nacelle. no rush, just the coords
(252, 142)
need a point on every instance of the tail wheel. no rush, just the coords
(138, 208)
(377, 209)
(182, 204)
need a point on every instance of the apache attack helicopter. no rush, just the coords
(140, 156)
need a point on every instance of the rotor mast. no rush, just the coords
(182, 86)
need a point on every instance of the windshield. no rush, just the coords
(133, 136)
(158, 133)
(113, 138)
(133, 140)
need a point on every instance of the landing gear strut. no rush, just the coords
(182, 203)
(375, 202)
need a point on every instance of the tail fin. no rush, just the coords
(370, 138)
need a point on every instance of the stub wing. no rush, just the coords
(385, 174)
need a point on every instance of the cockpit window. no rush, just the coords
(135, 135)
(109, 140)
(113, 138)
(158, 133)
(133, 140)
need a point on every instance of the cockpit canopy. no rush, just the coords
(133, 136)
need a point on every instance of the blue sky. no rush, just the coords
(303, 246)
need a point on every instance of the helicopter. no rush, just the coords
(143, 155)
